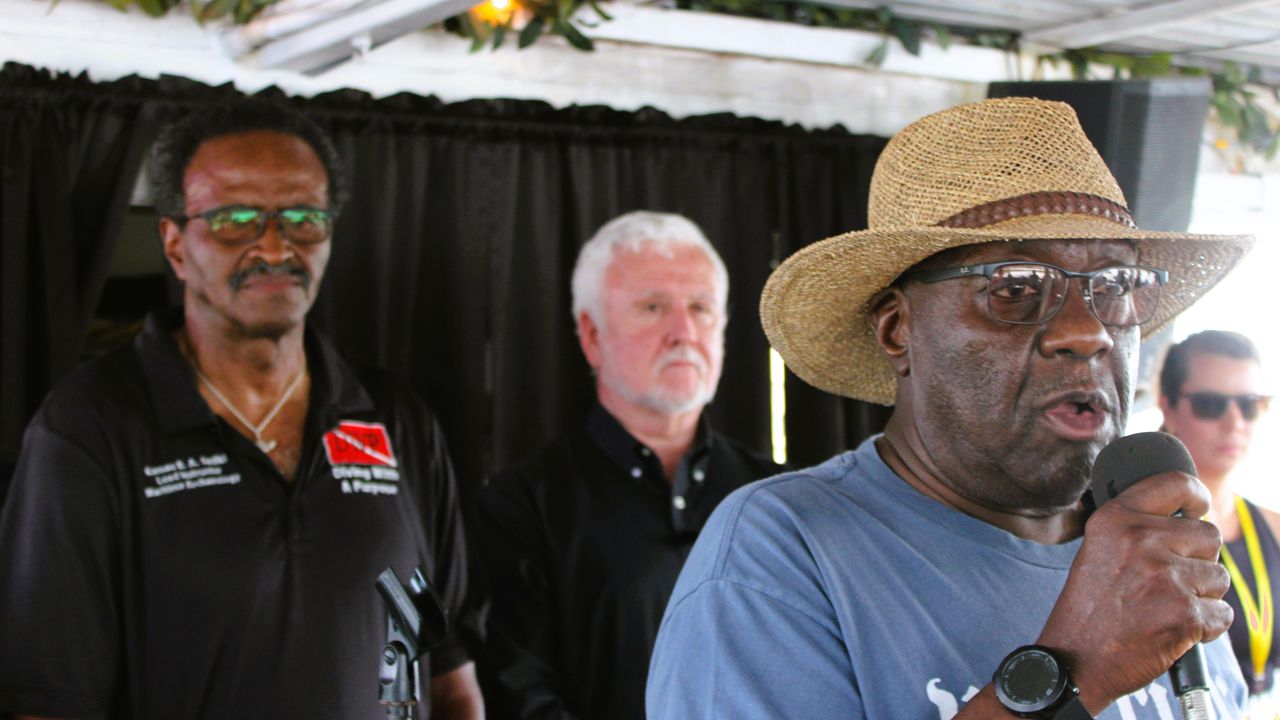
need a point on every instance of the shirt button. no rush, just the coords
(636, 472)
(677, 502)
(699, 475)
(645, 451)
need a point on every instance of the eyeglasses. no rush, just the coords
(1027, 293)
(1211, 405)
(241, 224)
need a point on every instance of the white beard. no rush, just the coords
(660, 398)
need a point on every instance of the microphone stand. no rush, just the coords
(416, 623)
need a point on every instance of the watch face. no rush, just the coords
(1030, 680)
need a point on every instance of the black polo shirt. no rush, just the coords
(581, 545)
(155, 564)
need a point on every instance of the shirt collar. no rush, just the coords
(624, 449)
(172, 385)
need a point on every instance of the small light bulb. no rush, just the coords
(501, 4)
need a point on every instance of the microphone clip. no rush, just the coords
(416, 623)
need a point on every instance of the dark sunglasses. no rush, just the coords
(241, 224)
(1211, 405)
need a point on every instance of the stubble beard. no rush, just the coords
(1014, 475)
(1011, 470)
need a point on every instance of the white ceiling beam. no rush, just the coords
(347, 34)
(277, 20)
(713, 33)
(1144, 20)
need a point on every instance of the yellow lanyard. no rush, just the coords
(1259, 615)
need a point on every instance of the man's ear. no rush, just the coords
(1166, 411)
(889, 315)
(171, 240)
(589, 339)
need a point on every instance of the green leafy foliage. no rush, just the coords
(214, 10)
(878, 54)
(531, 32)
(565, 18)
(240, 11)
(941, 35)
(907, 33)
(530, 20)
(1122, 66)
(1237, 107)
(156, 8)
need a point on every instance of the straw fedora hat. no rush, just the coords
(1006, 169)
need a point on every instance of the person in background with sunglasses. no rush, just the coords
(197, 520)
(1212, 394)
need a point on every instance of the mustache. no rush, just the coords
(1087, 384)
(285, 269)
(682, 354)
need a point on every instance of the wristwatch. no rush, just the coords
(1033, 682)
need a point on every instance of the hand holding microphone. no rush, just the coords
(1146, 586)
(1117, 468)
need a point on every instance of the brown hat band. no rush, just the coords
(1039, 203)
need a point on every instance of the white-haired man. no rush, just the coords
(582, 543)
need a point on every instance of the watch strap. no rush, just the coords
(1072, 709)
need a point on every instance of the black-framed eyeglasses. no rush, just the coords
(243, 224)
(1211, 405)
(1027, 293)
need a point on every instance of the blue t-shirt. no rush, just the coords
(842, 592)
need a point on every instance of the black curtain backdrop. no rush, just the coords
(68, 157)
(451, 265)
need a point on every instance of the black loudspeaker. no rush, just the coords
(1147, 131)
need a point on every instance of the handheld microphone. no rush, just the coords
(1120, 465)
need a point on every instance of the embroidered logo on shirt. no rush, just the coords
(361, 456)
(190, 473)
(359, 443)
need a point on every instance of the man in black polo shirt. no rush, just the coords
(197, 521)
(583, 542)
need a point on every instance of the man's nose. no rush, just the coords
(1076, 330)
(272, 246)
(682, 326)
(1233, 418)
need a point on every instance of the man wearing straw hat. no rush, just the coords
(997, 302)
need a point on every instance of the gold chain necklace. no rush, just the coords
(266, 446)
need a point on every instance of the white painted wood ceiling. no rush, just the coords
(1200, 32)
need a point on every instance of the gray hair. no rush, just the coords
(635, 231)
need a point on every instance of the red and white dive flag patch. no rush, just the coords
(359, 443)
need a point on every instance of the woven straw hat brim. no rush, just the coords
(814, 305)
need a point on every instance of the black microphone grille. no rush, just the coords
(1133, 457)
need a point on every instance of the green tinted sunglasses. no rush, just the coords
(241, 224)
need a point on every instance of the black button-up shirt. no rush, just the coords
(582, 545)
